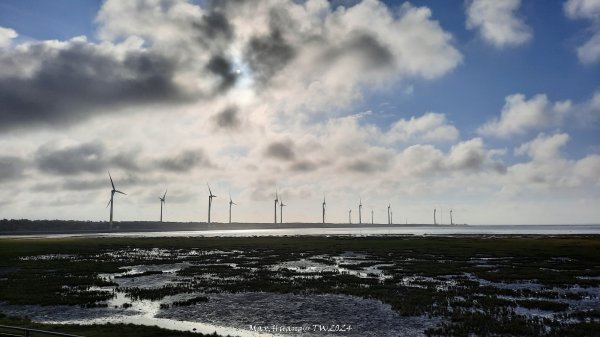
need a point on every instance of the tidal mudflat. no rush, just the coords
(309, 286)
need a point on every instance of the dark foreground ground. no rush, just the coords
(462, 286)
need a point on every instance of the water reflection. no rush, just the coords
(354, 231)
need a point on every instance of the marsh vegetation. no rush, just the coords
(456, 286)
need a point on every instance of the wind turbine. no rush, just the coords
(210, 197)
(230, 203)
(112, 195)
(324, 204)
(276, 202)
(360, 212)
(451, 222)
(281, 205)
(350, 216)
(434, 221)
(163, 200)
(371, 216)
(391, 219)
(389, 215)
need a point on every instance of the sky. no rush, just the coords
(487, 108)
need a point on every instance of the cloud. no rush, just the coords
(11, 168)
(420, 160)
(267, 55)
(6, 36)
(185, 161)
(589, 52)
(497, 23)
(549, 169)
(543, 147)
(58, 82)
(589, 168)
(88, 157)
(228, 118)
(430, 127)
(373, 160)
(588, 112)
(290, 56)
(223, 69)
(319, 57)
(282, 150)
(303, 166)
(468, 155)
(520, 115)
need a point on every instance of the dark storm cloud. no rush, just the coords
(73, 160)
(373, 53)
(70, 83)
(280, 150)
(223, 69)
(214, 27)
(11, 168)
(267, 55)
(185, 161)
(88, 157)
(228, 118)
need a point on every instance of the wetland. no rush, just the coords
(483, 285)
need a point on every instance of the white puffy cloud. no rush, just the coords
(430, 127)
(520, 115)
(589, 112)
(497, 22)
(544, 148)
(589, 52)
(6, 35)
(548, 168)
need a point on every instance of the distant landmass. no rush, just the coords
(24, 226)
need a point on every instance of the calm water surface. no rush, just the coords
(354, 231)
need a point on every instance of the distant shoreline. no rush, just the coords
(33, 227)
(155, 228)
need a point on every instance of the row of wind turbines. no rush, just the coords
(163, 200)
(278, 202)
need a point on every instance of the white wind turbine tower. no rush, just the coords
(230, 203)
(360, 212)
(163, 200)
(451, 222)
(372, 217)
(350, 216)
(281, 205)
(276, 202)
(324, 204)
(389, 214)
(434, 221)
(112, 195)
(210, 197)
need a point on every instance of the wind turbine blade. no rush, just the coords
(111, 181)
(209, 191)
(120, 192)
(108, 204)
(164, 196)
